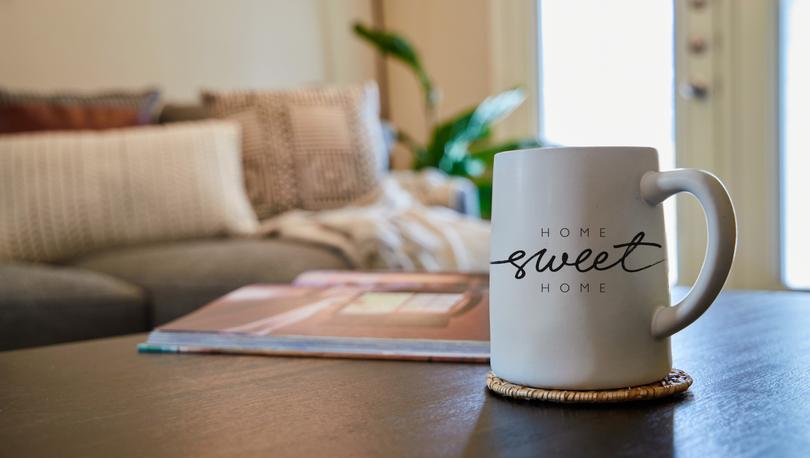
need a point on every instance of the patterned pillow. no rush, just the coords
(313, 149)
(65, 194)
(28, 112)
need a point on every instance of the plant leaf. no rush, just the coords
(487, 156)
(400, 49)
(487, 153)
(485, 199)
(451, 140)
(497, 107)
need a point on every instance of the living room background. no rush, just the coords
(472, 48)
(404, 228)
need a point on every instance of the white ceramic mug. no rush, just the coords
(579, 291)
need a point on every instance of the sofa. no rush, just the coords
(135, 288)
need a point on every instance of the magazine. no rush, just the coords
(371, 315)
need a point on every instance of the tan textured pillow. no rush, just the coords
(64, 194)
(314, 148)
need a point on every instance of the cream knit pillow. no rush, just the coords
(64, 194)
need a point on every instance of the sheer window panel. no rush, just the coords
(795, 88)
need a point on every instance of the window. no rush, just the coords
(608, 79)
(795, 94)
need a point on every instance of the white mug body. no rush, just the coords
(578, 269)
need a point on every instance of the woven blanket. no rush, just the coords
(395, 230)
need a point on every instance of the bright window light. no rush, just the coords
(795, 143)
(608, 79)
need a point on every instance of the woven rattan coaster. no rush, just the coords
(677, 381)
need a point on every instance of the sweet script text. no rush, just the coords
(585, 261)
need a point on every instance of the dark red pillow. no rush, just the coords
(21, 112)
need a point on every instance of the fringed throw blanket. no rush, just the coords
(394, 231)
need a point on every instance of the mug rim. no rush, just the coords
(583, 149)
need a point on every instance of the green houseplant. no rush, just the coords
(462, 144)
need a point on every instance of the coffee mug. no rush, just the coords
(579, 288)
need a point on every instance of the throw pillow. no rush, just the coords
(313, 149)
(27, 112)
(64, 194)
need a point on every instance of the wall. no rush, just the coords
(453, 39)
(180, 45)
(471, 49)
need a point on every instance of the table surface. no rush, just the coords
(749, 356)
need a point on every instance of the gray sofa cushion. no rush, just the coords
(42, 304)
(182, 276)
(173, 112)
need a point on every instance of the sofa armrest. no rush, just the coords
(42, 304)
(433, 187)
(464, 196)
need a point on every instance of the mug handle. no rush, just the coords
(722, 227)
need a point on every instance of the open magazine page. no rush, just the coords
(348, 314)
(405, 280)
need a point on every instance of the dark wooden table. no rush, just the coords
(749, 356)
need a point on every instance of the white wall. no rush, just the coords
(179, 45)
